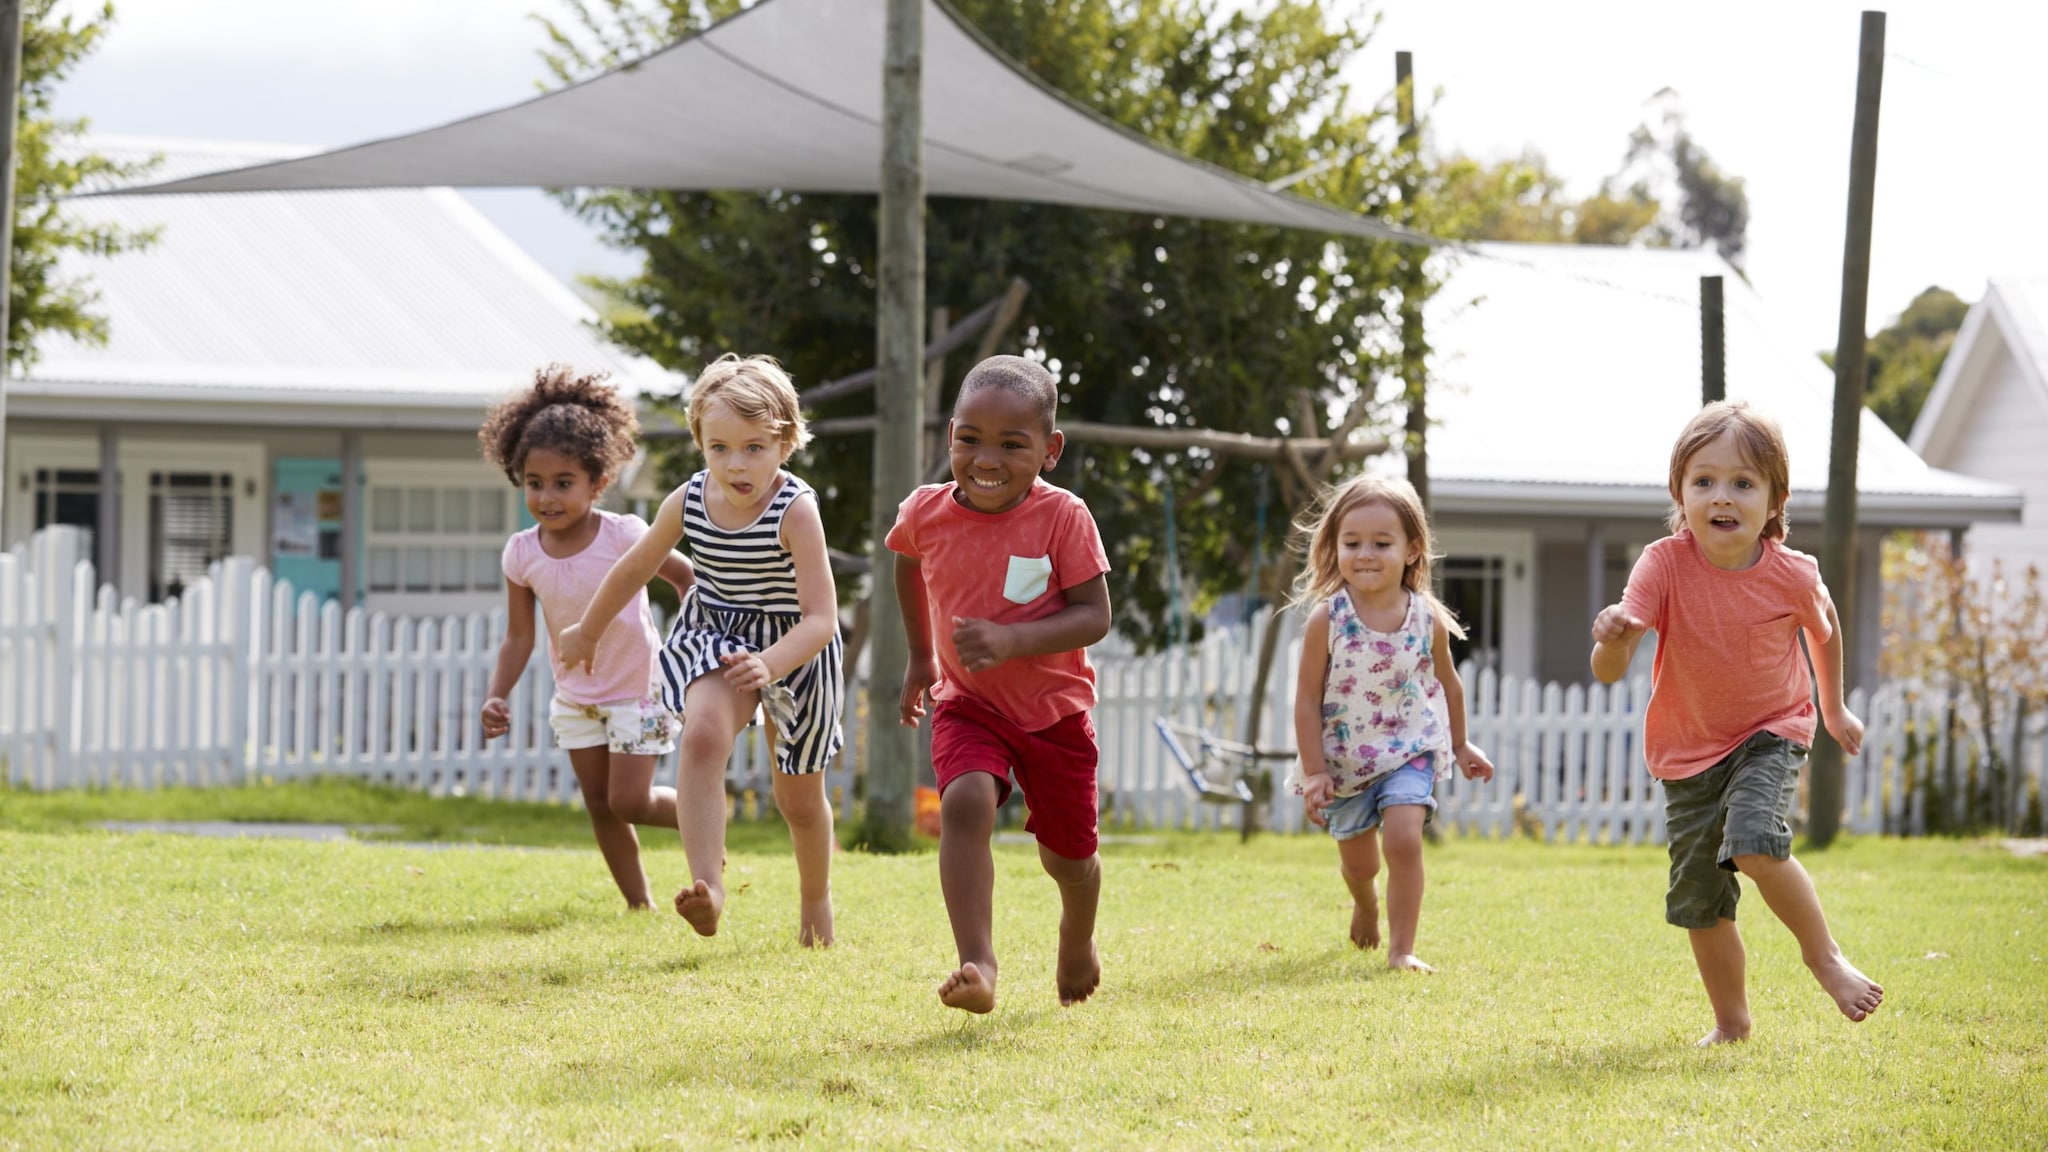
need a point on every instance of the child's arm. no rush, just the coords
(1471, 758)
(803, 533)
(922, 670)
(577, 644)
(678, 571)
(513, 654)
(1843, 725)
(983, 644)
(1615, 636)
(1308, 715)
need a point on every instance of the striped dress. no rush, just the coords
(745, 600)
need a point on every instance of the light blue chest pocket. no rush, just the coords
(1027, 578)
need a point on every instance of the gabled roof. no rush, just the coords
(1561, 374)
(2012, 316)
(788, 94)
(400, 308)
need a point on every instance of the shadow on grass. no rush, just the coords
(524, 922)
(499, 985)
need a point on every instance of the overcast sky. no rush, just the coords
(1768, 85)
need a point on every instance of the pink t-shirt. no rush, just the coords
(623, 667)
(1728, 660)
(1005, 567)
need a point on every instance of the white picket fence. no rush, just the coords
(240, 679)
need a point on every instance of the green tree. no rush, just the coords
(50, 165)
(1904, 359)
(1147, 320)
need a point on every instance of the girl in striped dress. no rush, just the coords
(759, 628)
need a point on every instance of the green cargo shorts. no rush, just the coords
(1741, 806)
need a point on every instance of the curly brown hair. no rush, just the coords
(575, 414)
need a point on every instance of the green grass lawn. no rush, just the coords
(163, 991)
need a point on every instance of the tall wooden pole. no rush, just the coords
(1414, 379)
(10, 111)
(1713, 342)
(899, 427)
(1838, 540)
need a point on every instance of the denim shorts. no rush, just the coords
(1411, 783)
(1742, 806)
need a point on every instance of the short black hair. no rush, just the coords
(1027, 378)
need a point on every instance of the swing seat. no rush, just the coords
(1219, 770)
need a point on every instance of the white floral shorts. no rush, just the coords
(632, 727)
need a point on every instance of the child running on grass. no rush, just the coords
(563, 442)
(763, 616)
(1379, 711)
(1000, 577)
(1731, 707)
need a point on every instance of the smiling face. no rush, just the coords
(1727, 501)
(1373, 553)
(559, 491)
(741, 455)
(999, 447)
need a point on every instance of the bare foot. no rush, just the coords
(814, 925)
(1365, 923)
(968, 989)
(1722, 1035)
(1408, 963)
(701, 905)
(1078, 975)
(1855, 994)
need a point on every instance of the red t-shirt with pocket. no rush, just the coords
(1004, 567)
(1728, 660)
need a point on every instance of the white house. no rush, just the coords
(1987, 415)
(271, 344)
(1561, 375)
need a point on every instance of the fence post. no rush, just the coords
(57, 559)
(235, 601)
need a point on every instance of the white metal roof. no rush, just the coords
(788, 94)
(406, 302)
(1561, 375)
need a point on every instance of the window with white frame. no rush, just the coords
(437, 536)
(191, 525)
(67, 496)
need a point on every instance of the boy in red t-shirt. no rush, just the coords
(1000, 579)
(1731, 710)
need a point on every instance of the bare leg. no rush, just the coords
(808, 813)
(967, 876)
(1359, 860)
(1080, 881)
(714, 715)
(1787, 888)
(1724, 970)
(634, 797)
(1402, 826)
(615, 837)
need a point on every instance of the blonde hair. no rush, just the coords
(756, 390)
(1320, 576)
(1761, 443)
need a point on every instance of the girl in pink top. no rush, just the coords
(1731, 708)
(562, 442)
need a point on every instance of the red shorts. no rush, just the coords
(1055, 768)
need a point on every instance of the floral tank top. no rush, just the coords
(1382, 703)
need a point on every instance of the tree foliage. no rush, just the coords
(1903, 359)
(1147, 320)
(50, 165)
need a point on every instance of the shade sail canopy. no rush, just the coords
(788, 95)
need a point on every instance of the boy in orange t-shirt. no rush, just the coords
(1000, 578)
(1731, 710)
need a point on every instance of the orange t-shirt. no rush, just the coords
(1004, 567)
(1728, 660)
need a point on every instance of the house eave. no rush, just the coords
(1603, 501)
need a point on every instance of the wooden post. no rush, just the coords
(1838, 541)
(899, 432)
(351, 520)
(1713, 342)
(10, 110)
(1414, 378)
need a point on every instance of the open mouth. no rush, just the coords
(1724, 521)
(986, 484)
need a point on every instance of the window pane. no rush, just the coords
(419, 510)
(383, 569)
(454, 510)
(490, 510)
(384, 510)
(419, 570)
(454, 569)
(485, 567)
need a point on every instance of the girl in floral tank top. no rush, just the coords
(1379, 712)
